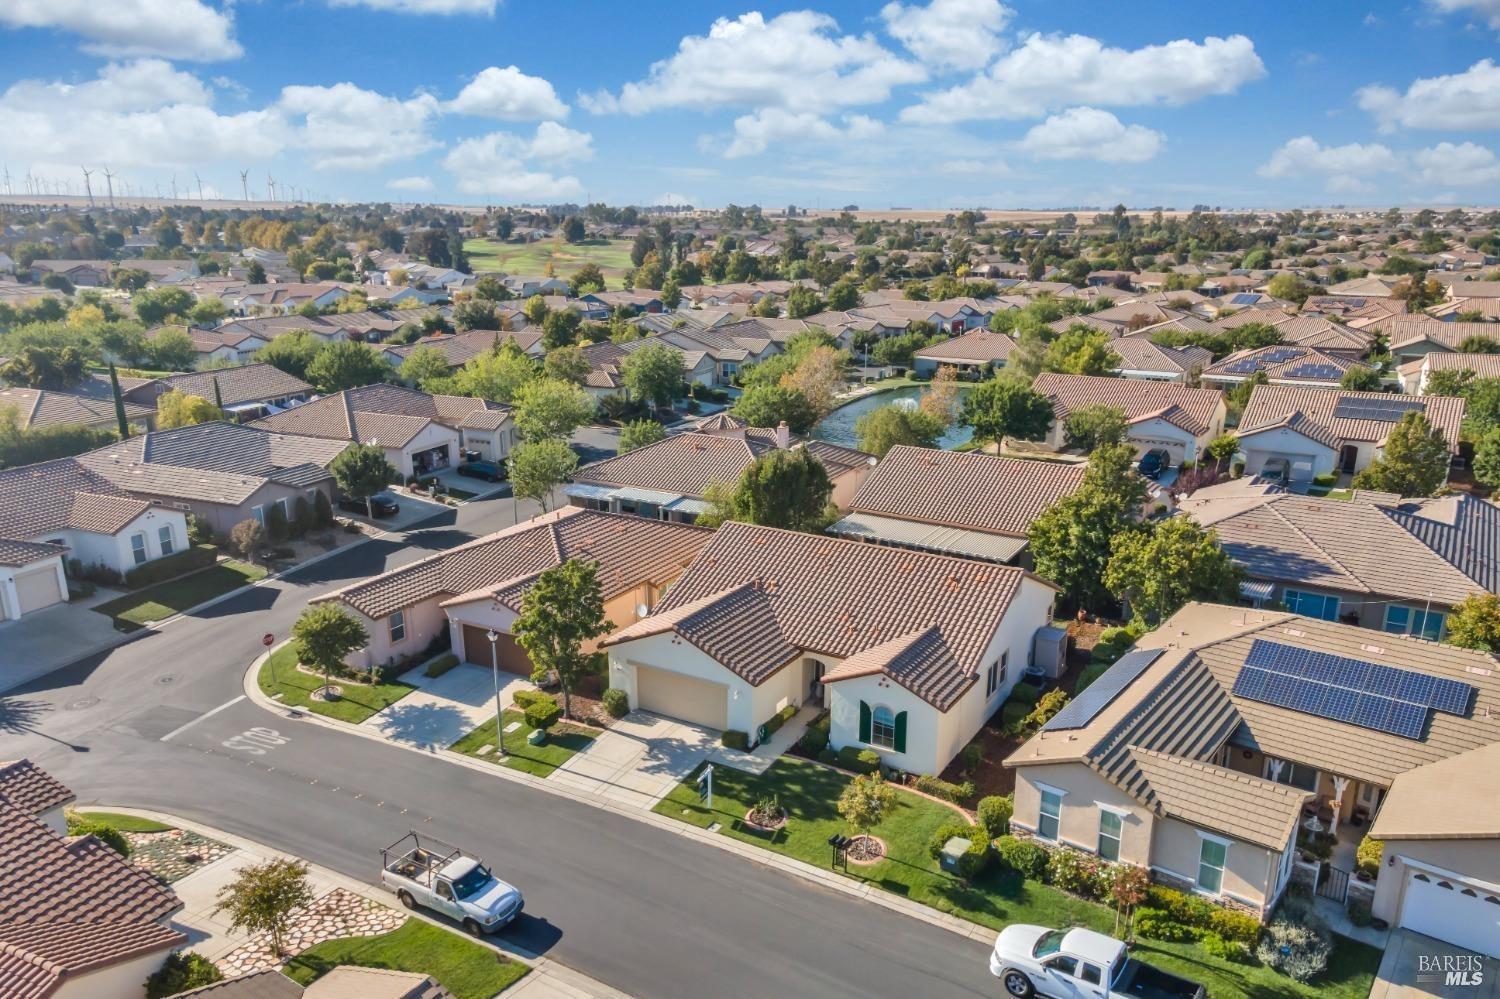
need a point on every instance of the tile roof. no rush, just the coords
(1273, 405)
(18, 553)
(1228, 801)
(461, 348)
(269, 983)
(688, 463)
(60, 494)
(788, 590)
(1403, 331)
(393, 414)
(968, 490)
(630, 550)
(920, 661)
(976, 346)
(1192, 409)
(31, 790)
(1138, 353)
(1483, 365)
(237, 385)
(1283, 364)
(45, 408)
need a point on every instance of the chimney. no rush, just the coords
(783, 436)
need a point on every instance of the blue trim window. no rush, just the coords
(1410, 621)
(1318, 605)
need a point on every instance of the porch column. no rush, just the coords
(1273, 769)
(1339, 784)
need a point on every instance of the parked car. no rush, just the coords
(439, 876)
(1153, 463)
(380, 505)
(1078, 964)
(490, 471)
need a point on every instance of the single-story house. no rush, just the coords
(419, 432)
(606, 359)
(977, 352)
(461, 348)
(246, 391)
(1413, 375)
(1283, 365)
(1140, 358)
(1412, 337)
(476, 589)
(1299, 433)
(1164, 416)
(63, 509)
(669, 479)
(1201, 753)
(910, 651)
(80, 273)
(283, 298)
(81, 922)
(970, 504)
(39, 408)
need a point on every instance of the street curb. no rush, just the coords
(541, 966)
(765, 858)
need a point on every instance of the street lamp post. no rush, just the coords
(494, 637)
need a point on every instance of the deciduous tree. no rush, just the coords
(345, 365)
(1090, 426)
(1070, 542)
(882, 429)
(1007, 407)
(1475, 622)
(653, 374)
(262, 898)
(1415, 460)
(548, 407)
(770, 405)
(361, 471)
(560, 611)
(639, 433)
(540, 466)
(788, 489)
(1160, 568)
(178, 409)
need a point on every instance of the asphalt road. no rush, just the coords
(646, 911)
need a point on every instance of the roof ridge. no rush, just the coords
(1271, 505)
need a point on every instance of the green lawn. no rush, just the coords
(124, 823)
(279, 675)
(531, 259)
(468, 969)
(154, 603)
(809, 792)
(562, 742)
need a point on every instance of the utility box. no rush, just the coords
(1049, 651)
(953, 850)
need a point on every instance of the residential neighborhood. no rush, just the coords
(931, 498)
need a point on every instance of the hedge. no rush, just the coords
(526, 698)
(616, 702)
(1026, 859)
(860, 761)
(1024, 693)
(973, 861)
(441, 665)
(939, 788)
(542, 714)
(735, 739)
(186, 561)
(780, 718)
(815, 739)
(994, 814)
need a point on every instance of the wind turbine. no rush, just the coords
(7, 179)
(270, 188)
(87, 186)
(199, 181)
(174, 187)
(245, 184)
(109, 179)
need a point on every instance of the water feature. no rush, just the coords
(838, 426)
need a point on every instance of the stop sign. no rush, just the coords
(268, 640)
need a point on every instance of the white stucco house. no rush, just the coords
(1165, 416)
(910, 651)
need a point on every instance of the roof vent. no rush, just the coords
(1479, 671)
(1295, 632)
(1373, 649)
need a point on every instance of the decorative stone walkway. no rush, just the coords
(174, 854)
(340, 913)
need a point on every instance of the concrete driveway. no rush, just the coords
(444, 709)
(43, 640)
(638, 759)
(412, 510)
(1415, 967)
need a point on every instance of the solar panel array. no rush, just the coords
(1280, 355)
(1322, 372)
(1388, 410)
(1096, 696)
(1360, 693)
(1244, 366)
(1244, 299)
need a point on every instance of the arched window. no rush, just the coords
(883, 728)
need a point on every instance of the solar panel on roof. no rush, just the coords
(1389, 410)
(1096, 696)
(1323, 372)
(1244, 299)
(1451, 696)
(1244, 366)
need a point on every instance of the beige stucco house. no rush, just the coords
(1164, 416)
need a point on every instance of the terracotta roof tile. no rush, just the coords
(1274, 405)
(28, 788)
(1192, 409)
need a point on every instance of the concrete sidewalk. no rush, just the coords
(209, 934)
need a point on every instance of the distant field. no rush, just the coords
(531, 259)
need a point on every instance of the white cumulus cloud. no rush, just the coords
(346, 127)
(510, 95)
(754, 133)
(500, 163)
(1467, 100)
(1462, 165)
(1091, 134)
(949, 32)
(1049, 72)
(1345, 169)
(797, 61)
(1487, 9)
(441, 7)
(409, 184)
(174, 29)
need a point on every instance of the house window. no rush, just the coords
(165, 536)
(992, 679)
(259, 513)
(1316, 605)
(1410, 621)
(398, 626)
(1211, 856)
(1110, 827)
(1049, 814)
(883, 728)
(1297, 775)
(138, 548)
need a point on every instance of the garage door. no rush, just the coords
(1450, 910)
(687, 698)
(512, 657)
(38, 589)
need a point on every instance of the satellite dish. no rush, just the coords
(641, 610)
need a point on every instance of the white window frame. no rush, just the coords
(1118, 836)
(165, 539)
(876, 724)
(397, 623)
(1045, 791)
(1203, 840)
(259, 513)
(140, 555)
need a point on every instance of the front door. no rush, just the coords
(1348, 457)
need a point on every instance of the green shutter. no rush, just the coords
(901, 732)
(864, 722)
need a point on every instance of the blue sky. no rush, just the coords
(917, 103)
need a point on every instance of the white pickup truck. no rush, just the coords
(436, 875)
(1078, 964)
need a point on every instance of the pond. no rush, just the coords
(838, 426)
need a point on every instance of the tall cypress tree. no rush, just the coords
(114, 386)
(218, 397)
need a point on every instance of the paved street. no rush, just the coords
(646, 911)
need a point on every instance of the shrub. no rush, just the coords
(304, 517)
(185, 561)
(322, 509)
(972, 756)
(102, 831)
(1298, 950)
(542, 714)
(438, 667)
(1074, 872)
(1360, 914)
(181, 972)
(1233, 951)
(1180, 907)
(526, 698)
(94, 572)
(1025, 693)
(815, 739)
(277, 526)
(1234, 926)
(780, 718)
(828, 756)
(735, 739)
(974, 860)
(1050, 704)
(1012, 715)
(616, 702)
(939, 788)
(1158, 925)
(199, 533)
(860, 761)
(1025, 858)
(994, 814)
(1367, 857)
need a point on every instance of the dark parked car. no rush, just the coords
(1153, 463)
(381, 505)
(490, 471)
